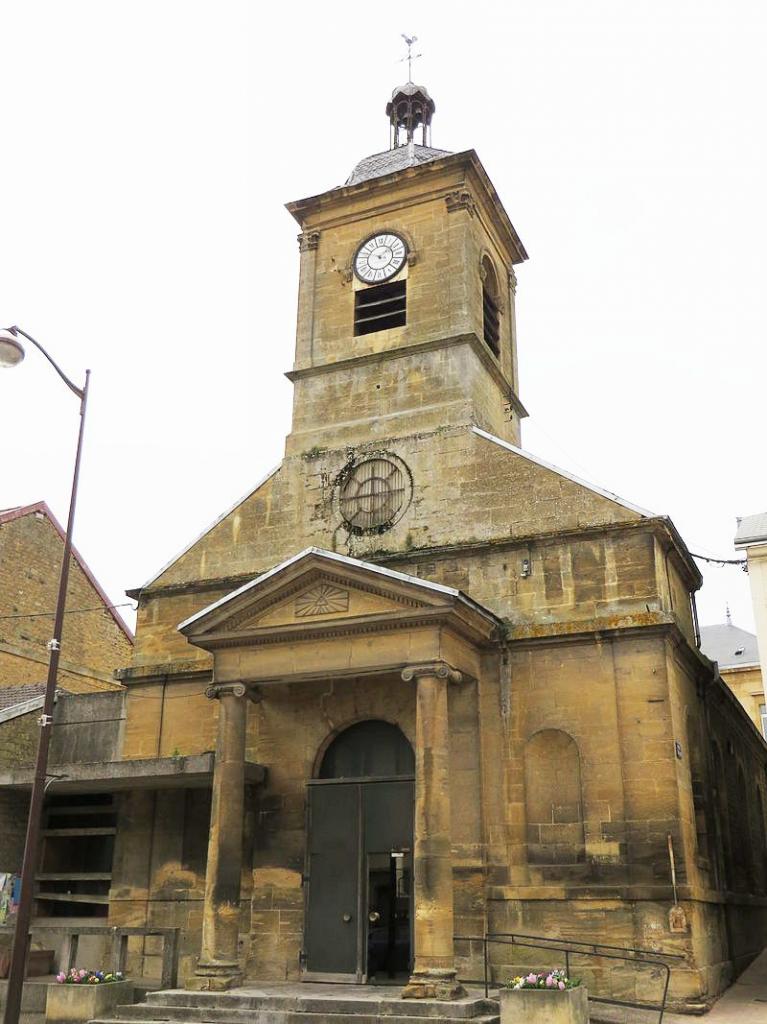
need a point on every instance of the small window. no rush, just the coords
(380, 308)
(763, 717)
(491, 325)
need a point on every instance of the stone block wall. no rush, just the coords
(93, 644)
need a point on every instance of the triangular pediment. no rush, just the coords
(321, 587)
(317, 597)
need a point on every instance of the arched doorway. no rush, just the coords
(359, 888)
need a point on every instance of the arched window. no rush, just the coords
(491, 321)
(553, 803)
(371, 749)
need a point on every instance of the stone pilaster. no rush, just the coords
(308, 243)
(434, 968)
(218, 967)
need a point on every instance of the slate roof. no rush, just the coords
(723, 642)
(10, 696)
(752, 529)
(379, 164)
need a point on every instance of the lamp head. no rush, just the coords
(11, 349)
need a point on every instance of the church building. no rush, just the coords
(451, 689)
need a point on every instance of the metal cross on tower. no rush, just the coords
(410, 40)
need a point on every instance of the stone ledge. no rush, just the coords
(195, 770)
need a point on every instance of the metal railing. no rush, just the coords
(573, 948)
(72, 934)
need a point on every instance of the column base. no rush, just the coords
(215, 977)
(433, 984)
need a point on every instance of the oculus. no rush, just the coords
(374, 494)
(321, 600)
(380, 257)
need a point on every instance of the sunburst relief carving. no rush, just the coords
(321, 600)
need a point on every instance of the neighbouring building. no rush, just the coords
(736, 652)
(95, 639)
(450, 687)
(751, 537)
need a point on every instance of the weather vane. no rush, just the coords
(410, 55)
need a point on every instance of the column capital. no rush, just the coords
(308, 240)
(218, 690)
(440, 669)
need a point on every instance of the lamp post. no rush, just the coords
(11, 354)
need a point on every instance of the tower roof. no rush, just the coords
(378, 164)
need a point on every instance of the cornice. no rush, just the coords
(486, 357)
(390, 185)
(439, 616)
(607, 628)
(226, 584)
(175, 672)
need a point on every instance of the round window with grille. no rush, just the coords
(374, 494)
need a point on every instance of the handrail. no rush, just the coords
(568, 947)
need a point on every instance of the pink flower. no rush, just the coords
(561, 985)
(61, 978)
(531, 978)
(550, 982)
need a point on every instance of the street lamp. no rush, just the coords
(11, 354)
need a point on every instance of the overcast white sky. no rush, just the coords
(149, 148)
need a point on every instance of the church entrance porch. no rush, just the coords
(377, 868)
(359, 870)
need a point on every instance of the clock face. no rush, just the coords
(379, 258)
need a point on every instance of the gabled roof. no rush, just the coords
(563, 472)
(728, 645)
(8, 515)
(751, 530)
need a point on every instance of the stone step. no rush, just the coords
(238, 1007)
(270, 1015)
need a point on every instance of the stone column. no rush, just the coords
(218, 967)
(434, 969)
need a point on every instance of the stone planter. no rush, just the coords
(544, 1006)
(69, 1004)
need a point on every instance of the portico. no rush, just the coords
(316, 620)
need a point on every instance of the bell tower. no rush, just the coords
(406, 315)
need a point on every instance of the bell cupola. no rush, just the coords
(410, 108)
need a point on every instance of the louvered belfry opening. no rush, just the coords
(491, 324)
(380, 308)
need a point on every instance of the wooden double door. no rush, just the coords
(359, 880)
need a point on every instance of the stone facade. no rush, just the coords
(531, 635)
(93, 642)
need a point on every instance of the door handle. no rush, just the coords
(374, 916)
(346, 918)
